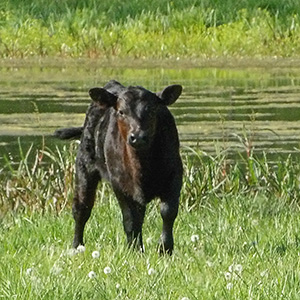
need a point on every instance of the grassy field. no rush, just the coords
(237, 234)
(240, 247)
(149, 29)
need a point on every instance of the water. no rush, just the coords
(220, 109)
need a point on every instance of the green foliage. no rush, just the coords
(159, 29)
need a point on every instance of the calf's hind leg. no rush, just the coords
(83, 202)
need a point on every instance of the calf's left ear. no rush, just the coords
(170, 94)
(102, 97)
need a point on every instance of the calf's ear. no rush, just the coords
(102, 97)
(170, 94)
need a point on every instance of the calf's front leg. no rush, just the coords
(168, 211)
(133, 217)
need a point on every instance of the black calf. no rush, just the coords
(130, 139)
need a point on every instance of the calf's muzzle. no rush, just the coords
(138, 139)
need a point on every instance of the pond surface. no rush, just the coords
(220, 109)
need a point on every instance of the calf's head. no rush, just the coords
(136, 111)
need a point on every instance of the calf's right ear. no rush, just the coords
(102, 97)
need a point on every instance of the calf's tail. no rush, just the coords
(69, 133)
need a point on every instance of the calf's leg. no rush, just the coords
(133, 217)
(83, 202)
(168, 211)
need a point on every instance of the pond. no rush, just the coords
(234, 110)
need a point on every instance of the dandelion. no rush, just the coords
(72, 252)
(95, 254)
(227, 275)
(80, 249)
(151, 271)
(29, 271)
(209, 264)
(56, 270)
(107, 270)
(195, 238)
(229, 286)
(92, 274)
(118, 286)
(238, 268)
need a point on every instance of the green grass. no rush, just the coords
(149, 29)
(257, 233)
(245, 214)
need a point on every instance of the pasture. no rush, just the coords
(236, 236)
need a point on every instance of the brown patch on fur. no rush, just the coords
(123, 129)
(133, 172)
(131, 164)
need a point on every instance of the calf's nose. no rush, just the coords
(138, 140)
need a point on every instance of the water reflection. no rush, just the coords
(222, 107)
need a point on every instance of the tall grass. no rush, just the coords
(43, 180)
(108, 12)
(159, 29)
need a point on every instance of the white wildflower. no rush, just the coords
(118, 286)
(96, 254)
(185, 298)
(107, 270)
(238, 268)
(92, 274)
(209, 263)
(151, 271)
(227, 275)
(29, 271)
(229, 286)
(195, 238)
(80, 249)
(55, 270)
(72, 252)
